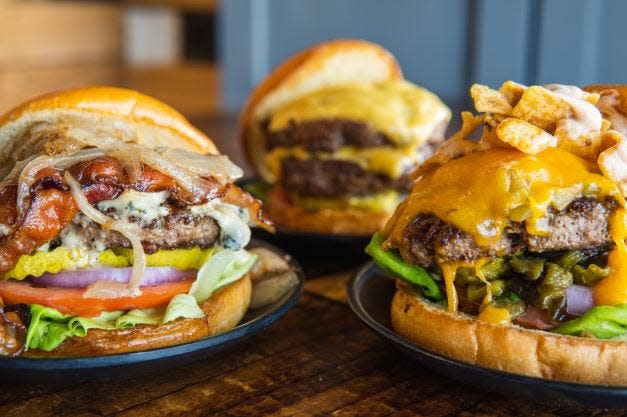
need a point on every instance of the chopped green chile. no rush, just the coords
(511, 302)
(603, 322)
(572, 258)
(495, 268)
(476, 292)
(491, 271)
(465, 275)
(393, 263)
(552, 294)
(530, 268)
(590, 275)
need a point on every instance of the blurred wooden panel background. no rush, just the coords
(51, 45)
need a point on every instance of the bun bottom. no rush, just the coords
(223, 311)
(511, 348)
(334, 221)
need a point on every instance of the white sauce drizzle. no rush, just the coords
(587, 118)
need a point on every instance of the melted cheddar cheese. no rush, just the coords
(406, 113)
(479, 192)
(495, 315)
(612, 290)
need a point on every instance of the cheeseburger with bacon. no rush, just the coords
(120, 227)
(334, 131)
(511, 249)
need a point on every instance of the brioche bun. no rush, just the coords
(223, 310)
(324, 65)
(507, 348)
(334, 221)
(153, 122)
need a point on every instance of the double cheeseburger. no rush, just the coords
(120, 227)
(510, 250)
(334, 131)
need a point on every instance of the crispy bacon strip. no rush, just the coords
(51, 210)
(232, 194)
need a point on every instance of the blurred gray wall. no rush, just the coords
(444, 45)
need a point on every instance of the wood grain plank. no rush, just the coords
(251, 382)
(30, 35)
(110, 398)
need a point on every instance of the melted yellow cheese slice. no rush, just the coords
(406, 113)
(479, 192)
(391, 162)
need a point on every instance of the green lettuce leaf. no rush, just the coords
(182, 305)
(139, 316)
(221, 269)
(48, 327)
(604, 322)
(393, 263)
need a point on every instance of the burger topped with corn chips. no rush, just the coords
(510, 249)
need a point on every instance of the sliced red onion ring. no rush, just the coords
(579, 299)
(83, 278)
(534, 318)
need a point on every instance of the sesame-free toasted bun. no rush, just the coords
(348, 221)
(324, 65)
(508, 348)
(152, 122)
(223, 310)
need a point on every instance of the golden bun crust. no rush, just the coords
(508, 348)
(224, 310)
(102, 104)
(326, 64)
(340, 222)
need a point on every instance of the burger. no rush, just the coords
(333, 133)
(510, 250)
(120, 227)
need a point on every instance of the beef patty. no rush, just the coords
(335, 179)
(179, 229)
(583, 224)
(325, 135)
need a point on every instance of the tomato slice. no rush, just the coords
(71, 300)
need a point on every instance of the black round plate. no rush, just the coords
(370, 294)
(46, 370)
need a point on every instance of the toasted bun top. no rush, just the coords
(324, 65)
(155, 123)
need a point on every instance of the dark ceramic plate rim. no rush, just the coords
(356, 305)
(303, 233)
(270, 314)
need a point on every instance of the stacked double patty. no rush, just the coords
(334, 178)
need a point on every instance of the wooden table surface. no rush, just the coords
(319, 359)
